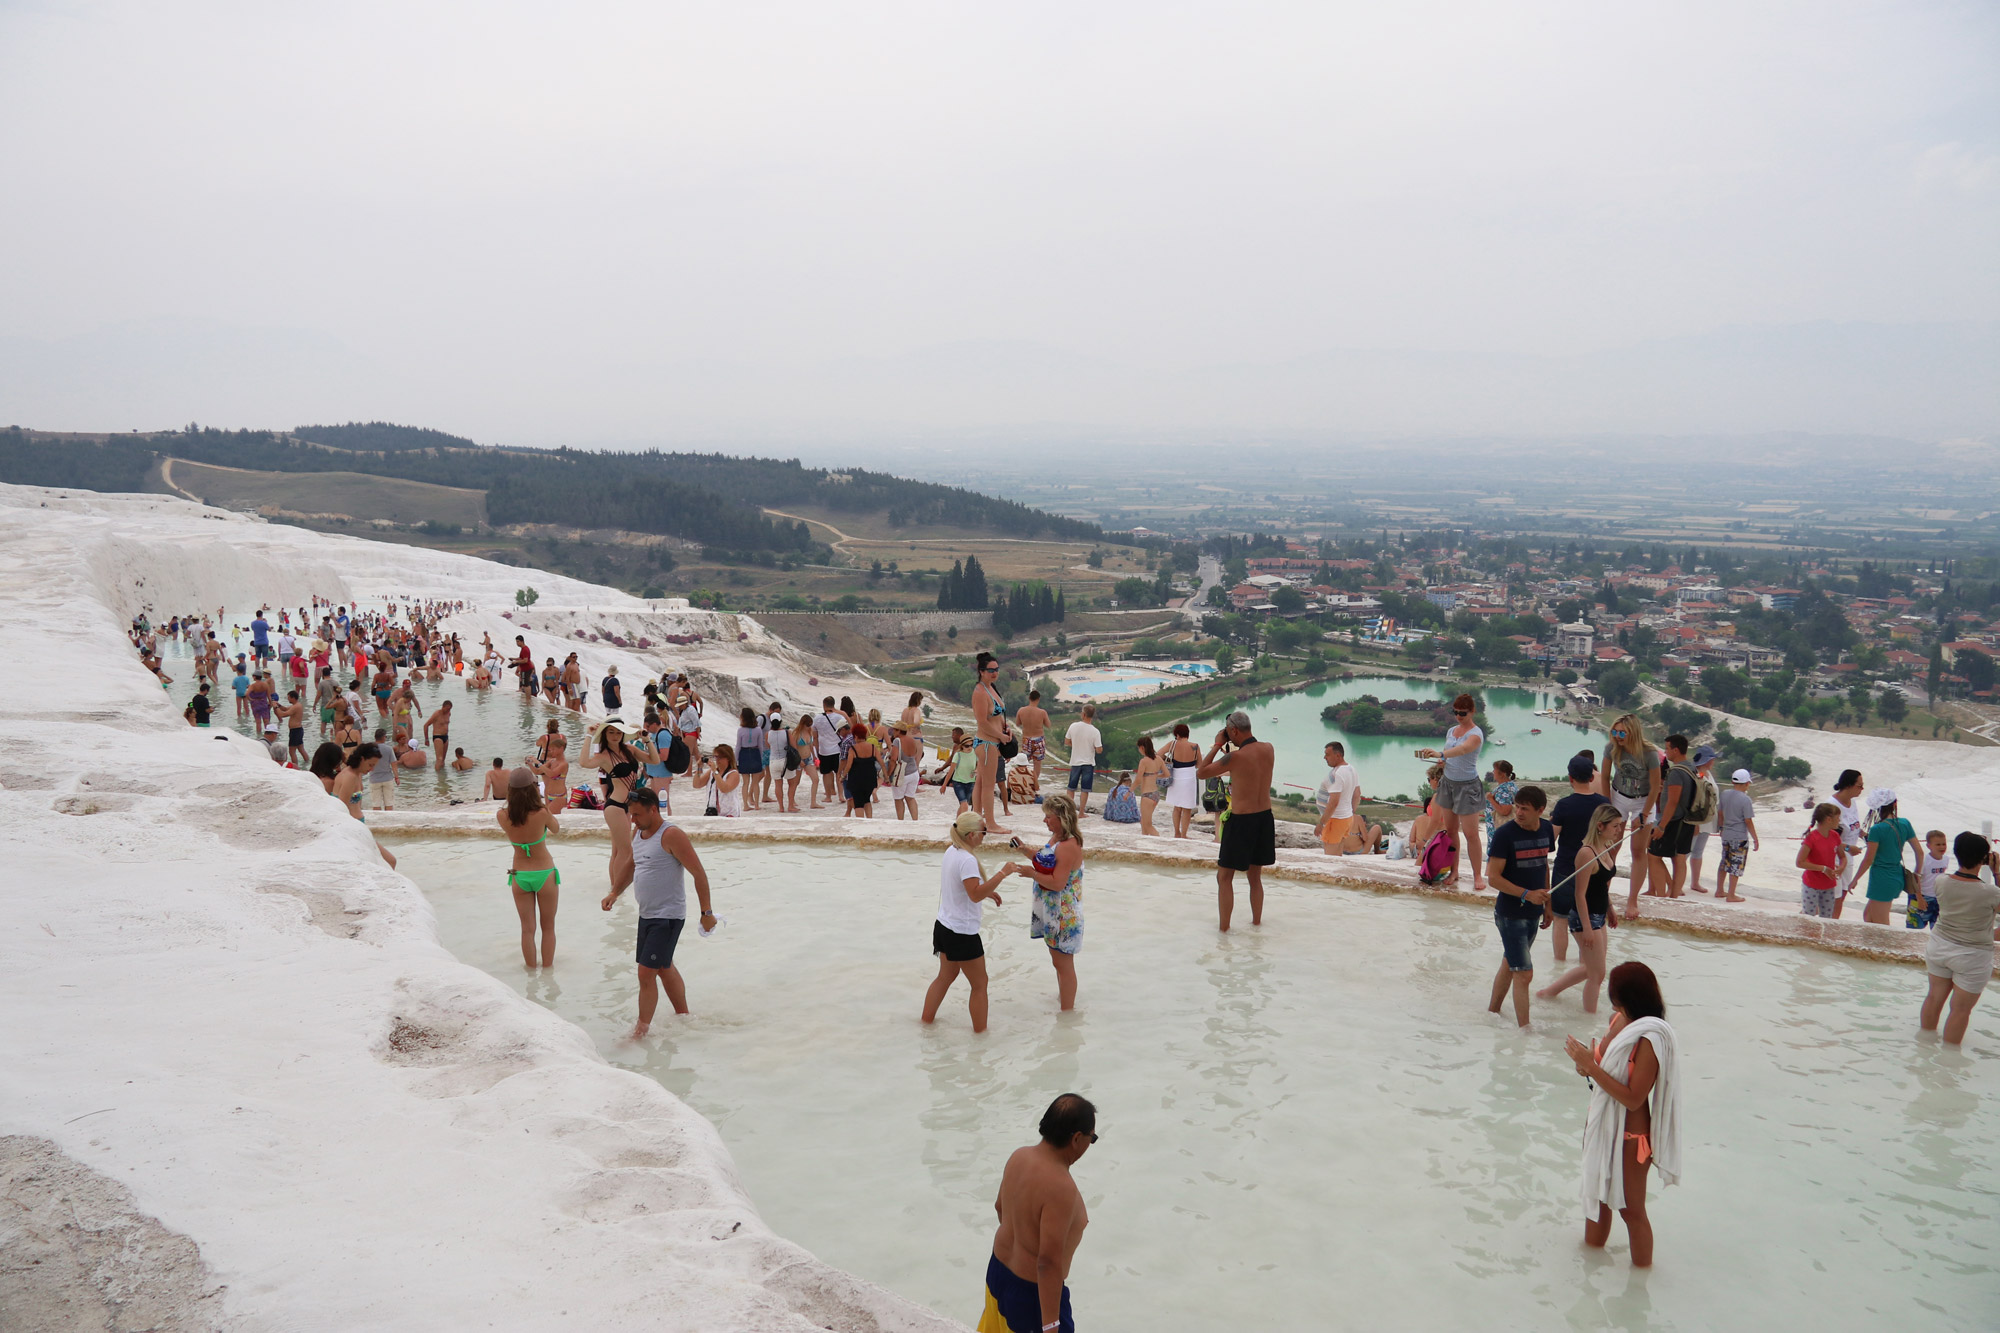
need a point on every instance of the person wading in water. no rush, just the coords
(1248, 837)
(1042, 1217)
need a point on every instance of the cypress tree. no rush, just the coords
(1062, 612)
(975, 585)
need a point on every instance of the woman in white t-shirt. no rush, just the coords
(955, 935)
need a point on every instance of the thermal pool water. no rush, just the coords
(1306, 1125)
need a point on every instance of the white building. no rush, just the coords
(1577, 641)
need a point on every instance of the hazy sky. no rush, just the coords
(582, 222)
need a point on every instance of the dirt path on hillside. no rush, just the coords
(840, 539)
(167, 476)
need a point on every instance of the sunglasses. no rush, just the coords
(1461, 712)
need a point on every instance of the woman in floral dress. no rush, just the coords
(1058, 909)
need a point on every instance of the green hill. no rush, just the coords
(714, 499)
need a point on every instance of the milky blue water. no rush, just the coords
(1310, 1125)
(1387, 765)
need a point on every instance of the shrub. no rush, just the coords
(1684, 718)
(1619, 685)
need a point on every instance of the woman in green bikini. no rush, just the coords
(527, 824)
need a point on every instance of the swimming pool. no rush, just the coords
(1097, 689)
(1313, 1124)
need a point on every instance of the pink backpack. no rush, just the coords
(1439, 859)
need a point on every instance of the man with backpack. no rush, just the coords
(1671, 834)
(614, 693)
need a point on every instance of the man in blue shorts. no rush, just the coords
(1042, 1218)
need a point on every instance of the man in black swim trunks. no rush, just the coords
(1248, 833)
(437, 730)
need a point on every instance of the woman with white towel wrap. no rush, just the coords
(1634, 1117)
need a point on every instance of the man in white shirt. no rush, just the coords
(1340, 828)
(826, 741)
(1086, 743)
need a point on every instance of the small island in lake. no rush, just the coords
(1370, 716)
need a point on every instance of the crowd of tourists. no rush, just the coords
(1549, 859)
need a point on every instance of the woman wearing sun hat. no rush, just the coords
(1883, 861)
(620, 769)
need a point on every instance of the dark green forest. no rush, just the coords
(710, 498)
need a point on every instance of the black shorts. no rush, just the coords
(657, 938)
(297, 739)
(1248, 840)
(955, 947)
(829, 763)
(1675, 839)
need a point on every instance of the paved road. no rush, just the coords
(1209, 572)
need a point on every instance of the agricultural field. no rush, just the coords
(356, 495)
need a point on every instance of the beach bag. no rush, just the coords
(1701, 797)
(1010, 747)
(1440, 858)
(585, 798)
(1215, 795)
(1399, 847)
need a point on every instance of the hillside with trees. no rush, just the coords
(713, 499)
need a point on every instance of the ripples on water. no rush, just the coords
(1312, 1125)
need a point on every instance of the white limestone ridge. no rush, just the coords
(229, 1015)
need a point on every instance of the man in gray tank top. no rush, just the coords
(661, 859)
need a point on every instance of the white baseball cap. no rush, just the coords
(1740, 775)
